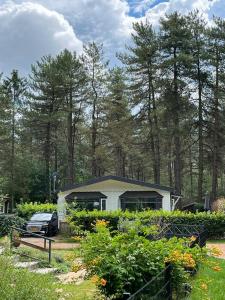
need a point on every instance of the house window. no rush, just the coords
(135, 201)
(89, 204)
(87, 200)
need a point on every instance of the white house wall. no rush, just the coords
(112, 189)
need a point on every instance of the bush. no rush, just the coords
(26, 210)
(9, 220)
(126, 261)
(213, 222)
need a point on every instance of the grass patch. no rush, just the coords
(21, 284)
(208, 283)
(221, 241)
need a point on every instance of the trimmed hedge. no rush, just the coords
(213, 222)
(9, 220)
(26, 210)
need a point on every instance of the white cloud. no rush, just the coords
(183, 6)
(32, 28)
(29, 31)
(104, 21)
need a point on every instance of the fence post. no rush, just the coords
(49, 251)
(11, 238)
(168, 280)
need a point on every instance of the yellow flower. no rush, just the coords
(95, 261)
(217, 268)
(75, 267)
(95, 279)
(215, 251)
(77, 238)
(193, 238)
(103, 282)
(204, 286)
(101, 223)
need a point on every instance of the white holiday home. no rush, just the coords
(113, 192)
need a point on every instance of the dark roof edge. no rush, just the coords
(118, 178)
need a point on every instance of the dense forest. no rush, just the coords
(158, 117)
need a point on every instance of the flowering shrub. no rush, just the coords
(126, 261)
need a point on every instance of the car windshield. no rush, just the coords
(41, 217)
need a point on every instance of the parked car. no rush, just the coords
(43, 223)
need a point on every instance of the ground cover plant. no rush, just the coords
(124, 262)
(21, 284)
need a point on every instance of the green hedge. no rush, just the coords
(26, 210)
(213, 222)
(9, 220)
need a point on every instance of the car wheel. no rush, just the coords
(48, 232)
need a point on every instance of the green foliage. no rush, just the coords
(126, 261)
(26, 210)
(213, 222)
(9, 220)
(21, 284)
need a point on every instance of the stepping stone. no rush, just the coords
(71, 277)
(45, 270)
(30, 265)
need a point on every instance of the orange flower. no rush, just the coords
(216, 268)
(103, 282)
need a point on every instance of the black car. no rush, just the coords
(44, 223)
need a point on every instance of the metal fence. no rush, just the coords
(16, 238)
(158, 288)
(184, 230)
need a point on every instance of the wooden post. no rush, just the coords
(168, 280)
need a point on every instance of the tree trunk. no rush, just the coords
(215, 135)
(94, 170)
(13, 152)
(157, 141)
(47, 160)
(200, 136)
(70, 170)
(177, 148)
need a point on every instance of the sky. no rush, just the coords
(33, 28)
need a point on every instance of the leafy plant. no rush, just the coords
(213, 222)
(9, 220)
(126, 261)
(26, 210)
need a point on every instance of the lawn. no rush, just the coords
(209, 281)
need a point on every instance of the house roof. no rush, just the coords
(121, 179)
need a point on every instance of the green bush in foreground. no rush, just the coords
(26, 210)
(126, 261)
(9, 220)
(213, 222)
(23, 285)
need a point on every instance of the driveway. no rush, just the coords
(57, 245)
